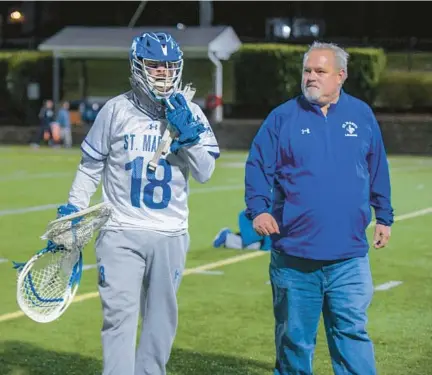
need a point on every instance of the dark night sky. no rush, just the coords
(343, 18)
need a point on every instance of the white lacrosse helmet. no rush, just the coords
(156, 62)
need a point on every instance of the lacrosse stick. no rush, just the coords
(169, 134)
(48, 282)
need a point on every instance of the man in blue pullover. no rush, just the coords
(315, 168)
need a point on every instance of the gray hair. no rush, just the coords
(341, 56)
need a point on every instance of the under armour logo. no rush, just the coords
(153, 126)
(305, 131)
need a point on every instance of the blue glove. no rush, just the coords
(68, 209)
(177, 145)
(180, 117)
(64, 210)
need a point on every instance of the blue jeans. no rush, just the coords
(342, 291)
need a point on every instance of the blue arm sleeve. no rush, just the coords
(380, 192)
(260, 169)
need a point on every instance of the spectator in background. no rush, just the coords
(46, 117)
(63, 119)
(315, 168)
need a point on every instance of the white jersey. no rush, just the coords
(118, 148)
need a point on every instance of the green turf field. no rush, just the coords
(226, 324)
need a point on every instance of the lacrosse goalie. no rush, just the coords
(142, 147)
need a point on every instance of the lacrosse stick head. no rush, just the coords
(48, 282)
(76, 230)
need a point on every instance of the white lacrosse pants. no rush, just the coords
(139, 270)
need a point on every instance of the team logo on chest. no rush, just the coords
(350, 129)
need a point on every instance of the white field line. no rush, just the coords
(216, 273)
(24, 210)
(209, 266)
(388, 285)
(28, 176)
(410, 215)
(188, 271)
(89, 267)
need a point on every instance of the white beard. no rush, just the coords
(311, 94)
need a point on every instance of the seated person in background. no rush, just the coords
(247, 238)
(63, 119)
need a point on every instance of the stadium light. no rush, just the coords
(315, 30)
(307, 28)
(278, 28)
(293, 28)
(286, 31)
(16, 17)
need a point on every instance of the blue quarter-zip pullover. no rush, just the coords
(320, 175)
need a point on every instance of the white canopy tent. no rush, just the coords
(215, 42)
